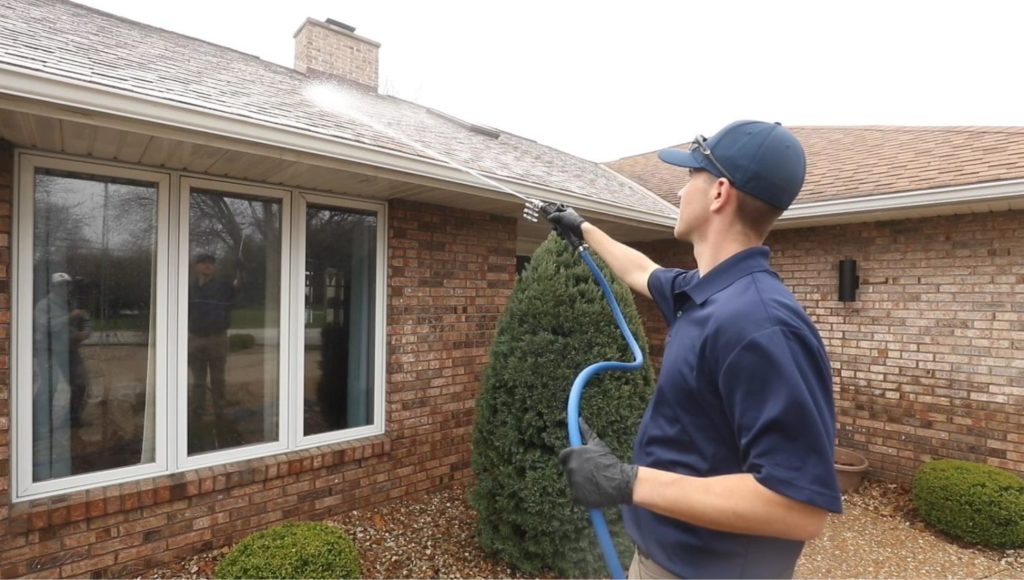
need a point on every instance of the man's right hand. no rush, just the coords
(566, 221)
(596, 477)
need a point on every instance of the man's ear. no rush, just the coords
(722, 194)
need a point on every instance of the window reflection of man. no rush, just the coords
(80, 329)
(51, 396)
(209, 316)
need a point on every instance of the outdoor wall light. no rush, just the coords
(848, 280)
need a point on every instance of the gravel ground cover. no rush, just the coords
(878, 536)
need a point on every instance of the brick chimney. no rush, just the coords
(333, 48)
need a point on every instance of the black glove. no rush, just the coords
(596, 477)
(566, 222)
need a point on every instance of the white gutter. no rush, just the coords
(90, 97)
(845, 209)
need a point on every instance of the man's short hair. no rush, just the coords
(755, 214)
(205, 257)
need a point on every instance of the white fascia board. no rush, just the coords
(39, 86)
(843, 209)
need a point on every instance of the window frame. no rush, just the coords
(298, 439)
(23, 230)
(186, 184)
(170, 338)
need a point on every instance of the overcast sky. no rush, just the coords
(605, 80)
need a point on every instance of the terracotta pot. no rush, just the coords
(850, 468)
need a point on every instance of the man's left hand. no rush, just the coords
(596, 477)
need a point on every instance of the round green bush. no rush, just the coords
(978, 503)
(293, 550)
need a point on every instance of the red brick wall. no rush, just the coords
(450, 274)
(6, 197)
(929, 361)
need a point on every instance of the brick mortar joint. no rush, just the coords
(24, 516)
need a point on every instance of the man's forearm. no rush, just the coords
(730, 503)
(629, 265)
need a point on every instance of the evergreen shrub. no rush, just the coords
(978, 503)
(556, 324)
(293, 550)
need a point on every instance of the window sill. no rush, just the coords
(40, 514)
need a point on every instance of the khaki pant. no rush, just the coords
(643, 568)
(207, 354)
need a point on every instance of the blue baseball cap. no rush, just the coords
(762, 159)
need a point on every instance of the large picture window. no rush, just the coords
(143, 348)
(93, 283)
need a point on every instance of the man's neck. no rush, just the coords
(715, 249)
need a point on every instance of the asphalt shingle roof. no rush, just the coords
(847, 162)
(79, 43)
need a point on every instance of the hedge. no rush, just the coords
(978, 503)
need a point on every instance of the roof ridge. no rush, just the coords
(655, 150)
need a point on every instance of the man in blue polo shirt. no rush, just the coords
(733, 468)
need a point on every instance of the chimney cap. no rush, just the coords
(339, 24)
(337, 27)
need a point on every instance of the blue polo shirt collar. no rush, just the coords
(740, 264)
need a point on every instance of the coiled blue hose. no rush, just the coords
(604, 538)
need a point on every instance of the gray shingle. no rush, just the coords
(84, 44)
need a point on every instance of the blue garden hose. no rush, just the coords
(604, 538)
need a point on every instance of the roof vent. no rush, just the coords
(481, 129)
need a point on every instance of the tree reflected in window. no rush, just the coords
(234, 301)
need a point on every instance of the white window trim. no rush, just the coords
(21, 327)
(297, 354)
(284, 409)
(171, 339)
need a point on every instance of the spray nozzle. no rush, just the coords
(535, 209)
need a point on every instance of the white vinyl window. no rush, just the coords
(338, 313)
(233, 298)
(166, 321)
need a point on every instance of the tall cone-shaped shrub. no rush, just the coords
(556, 324)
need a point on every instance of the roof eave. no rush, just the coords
(63, 91)
(972, 198)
